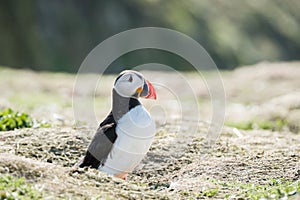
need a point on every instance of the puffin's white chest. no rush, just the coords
(135, 131)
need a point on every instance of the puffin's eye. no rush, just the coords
(130, 78)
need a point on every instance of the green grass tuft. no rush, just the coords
(276, 189)
(16, 188)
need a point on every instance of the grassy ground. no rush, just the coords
(255, 157)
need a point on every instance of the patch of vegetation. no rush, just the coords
(276, 189)
(275, 125)
(10, 120)
(16, 188)
(245, 125)
(210, 192)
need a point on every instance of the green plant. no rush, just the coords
(276, 189)
(276, 124)
(10, 120)
(245, 125)
(16, 188)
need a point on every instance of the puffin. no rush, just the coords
(124, 137)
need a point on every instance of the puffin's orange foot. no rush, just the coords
(122, 175)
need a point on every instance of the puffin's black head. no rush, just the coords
(133, 84)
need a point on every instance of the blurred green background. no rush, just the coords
(56, 35)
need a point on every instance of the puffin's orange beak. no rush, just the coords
(151, 91)
(147, 91)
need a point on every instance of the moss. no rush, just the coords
(16, 188)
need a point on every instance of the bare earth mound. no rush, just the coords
(256, 157)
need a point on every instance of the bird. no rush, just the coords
(124, 137)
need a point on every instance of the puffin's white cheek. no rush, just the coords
(125, 90)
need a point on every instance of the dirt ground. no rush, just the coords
(179, 164)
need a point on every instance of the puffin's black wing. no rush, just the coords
(101, 144)
(108, 120)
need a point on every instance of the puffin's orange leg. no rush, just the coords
(122, 175)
